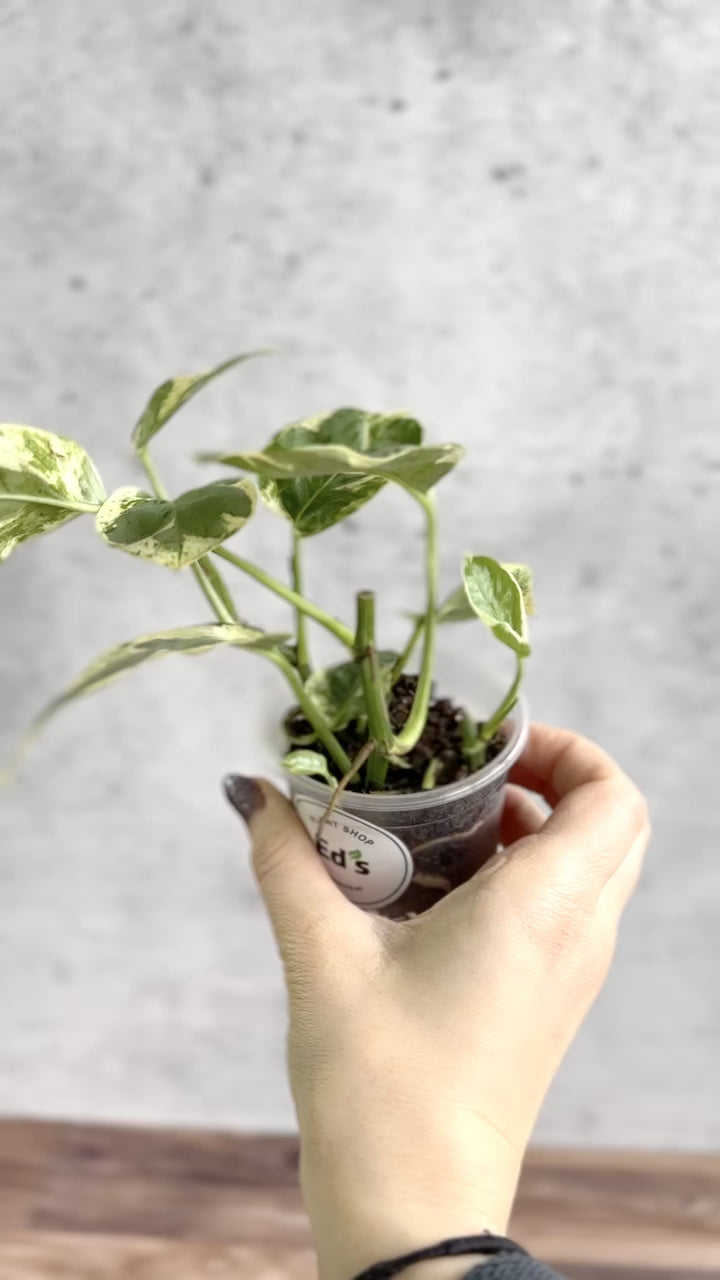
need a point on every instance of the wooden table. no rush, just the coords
(87, 1202)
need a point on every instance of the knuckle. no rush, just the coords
(560, 923)
(629, 797)
(573, 944)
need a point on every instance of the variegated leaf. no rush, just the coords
(308, 764)
(337, 692)
(315, 503)
(457, 608)
(173, 394)
(497, 600)
(179, 532)
(185, 640)
(523, 575)
(45, 480)
(348, 442)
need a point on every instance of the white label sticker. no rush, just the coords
(371, 866)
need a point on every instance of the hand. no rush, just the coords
(420, 1051)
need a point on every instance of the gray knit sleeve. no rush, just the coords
(512, 1266)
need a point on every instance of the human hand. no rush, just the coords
(420, 1051)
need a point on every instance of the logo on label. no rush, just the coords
(371, 866)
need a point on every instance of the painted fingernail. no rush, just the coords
(244, 794)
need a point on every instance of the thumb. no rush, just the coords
(303, 903)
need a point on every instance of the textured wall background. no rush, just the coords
(503, 216)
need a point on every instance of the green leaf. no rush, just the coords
(496, 598)
(179, 532)
(185, 640)
(173, 394)
(318, 471)
(523, 575)
(45, 480)
(457, 607)
(315, 503)
(308, 764)
(337, 692)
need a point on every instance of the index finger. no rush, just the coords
(598, 812)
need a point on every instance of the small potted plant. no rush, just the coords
(400, 788)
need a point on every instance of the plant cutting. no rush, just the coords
(400, 788)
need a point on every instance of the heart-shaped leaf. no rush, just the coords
(45, 480)
(308, 764)
(320, 470)
(523, 575)
(179, 532)
(337, 692)
(173, 394)
(496, 598)
(457, 608)
(186, 640)
(315, 503)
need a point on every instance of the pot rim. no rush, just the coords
(371, 802)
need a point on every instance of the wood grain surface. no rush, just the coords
(92, 1202)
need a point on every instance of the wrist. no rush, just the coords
(377, 1195)
(351, 1236)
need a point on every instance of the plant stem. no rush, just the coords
(309, 710)
(215, 599)
(338, 629)
(406, 654)
(379, 726)
(148, 465)
(205, 579)
(82, 508)
(303, 650)
(474, 748)
(376, 771)
(355, 767)
(206, 575)
(491, 726)
(412, 730)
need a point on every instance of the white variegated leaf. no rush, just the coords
(308, 764)
(337, 692)
(133, 653)
(457, 608)
(348, 443)
(176, 533)
(496, 598)
(173, 394)
(45, 480)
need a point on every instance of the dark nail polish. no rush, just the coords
(244, 794)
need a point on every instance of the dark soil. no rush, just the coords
(441, 741)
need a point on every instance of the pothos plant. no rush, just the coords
(361, 723)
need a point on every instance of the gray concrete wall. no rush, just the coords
(505, 216)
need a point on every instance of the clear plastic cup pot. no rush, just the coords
(397, 855)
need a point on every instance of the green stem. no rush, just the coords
(376, 771)
(215, 600)
(415, 723)
(319, 724)
(82, 508)
(491, 726)
(156, 483)
(338, 629)
(209, 578)
(379, 726)
(303, 649)
(309, 710)
(407, 652)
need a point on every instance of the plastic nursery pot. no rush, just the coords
(397, 855)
